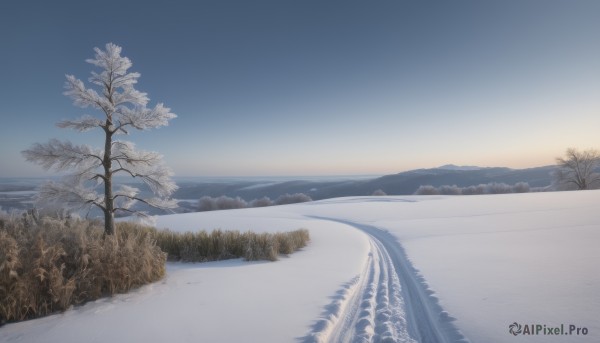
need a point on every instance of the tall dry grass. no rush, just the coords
(48, 264)
(203, 246)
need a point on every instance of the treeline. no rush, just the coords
(489, 188)
(207, 203)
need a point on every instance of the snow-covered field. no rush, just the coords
(397, 269)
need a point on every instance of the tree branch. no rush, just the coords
(82, 124)
(62, 155)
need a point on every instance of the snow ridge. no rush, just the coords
(381, 316)
(390, 301)
(368, 308)
(333, 313)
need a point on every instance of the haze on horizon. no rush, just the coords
(312, 88)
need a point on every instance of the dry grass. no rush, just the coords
(47, 265)
(202, 246)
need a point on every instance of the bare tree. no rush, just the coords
(578, 169)
(123, 108)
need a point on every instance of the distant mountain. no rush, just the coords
(455, 167)
(408, 182)
(403, 183)
(19, 195)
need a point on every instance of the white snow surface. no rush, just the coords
(393, 269)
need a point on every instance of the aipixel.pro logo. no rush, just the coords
(516, 329)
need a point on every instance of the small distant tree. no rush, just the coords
(472, 190)
(498, 188)
(489, 188)
(122, 108)
(521, 187)
(578, 169)
(449, 190)
(427, 190)
(223, 202)
(262, 202)
(292, 198)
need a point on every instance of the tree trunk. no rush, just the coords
(109, 216)
(109, 223)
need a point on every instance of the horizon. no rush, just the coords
(316, 89)
(308, 177)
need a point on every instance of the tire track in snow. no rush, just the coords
(387, 302)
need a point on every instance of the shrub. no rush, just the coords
(450, 190)
(473, 190)
(521, 187)
(498, 188)
(427, 190)
(490, 188)
(47, 264)
(207, 203)
(227, 203)
(262, 202)
(292, 199)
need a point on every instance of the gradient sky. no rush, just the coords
(316, 87)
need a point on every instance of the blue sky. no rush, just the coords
(316, 87)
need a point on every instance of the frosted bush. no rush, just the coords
(490, 188)
(450, 190)
(292, 199)
(262, 202)
(427, 190)
(207, 203)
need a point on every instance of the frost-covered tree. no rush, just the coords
(578, 169)
(379, 192)
(262, 202)
(223, 202)
(427, 190)
(292, 199)
(123, 108)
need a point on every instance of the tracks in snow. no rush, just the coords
(387, 302)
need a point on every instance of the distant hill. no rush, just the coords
(19, 193)
(455, 167)
(408, 182)
(403, 183)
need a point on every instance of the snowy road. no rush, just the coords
(388, 302)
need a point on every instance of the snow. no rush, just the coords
(19, 193)
(259, 185)
(497, 259)
(227, 301)
(413, 268)
(455, 167)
